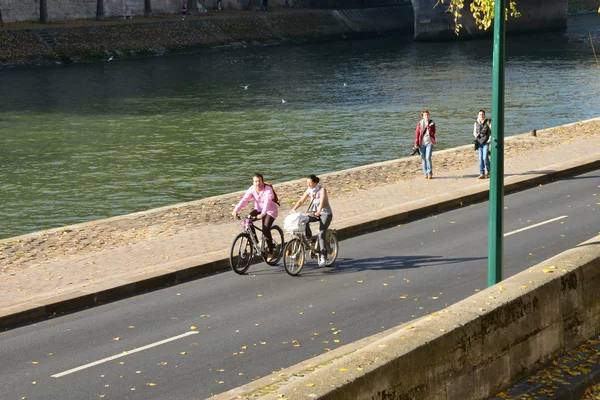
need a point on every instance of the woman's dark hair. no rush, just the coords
(483, 111)
(257, 175)
(313, 178)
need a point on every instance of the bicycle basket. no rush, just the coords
(295, 222)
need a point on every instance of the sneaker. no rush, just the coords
(481, 176)
(322, 261)
(488, 174)
(269, 257)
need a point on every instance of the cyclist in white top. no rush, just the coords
(321, 209)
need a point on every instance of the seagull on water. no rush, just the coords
(345, 84)
(111, 58)
(283, 101)
(245, 87)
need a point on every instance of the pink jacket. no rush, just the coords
(263, 201)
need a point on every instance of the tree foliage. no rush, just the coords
(482, 10)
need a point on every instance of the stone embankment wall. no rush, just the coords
(82, 43)
(29, 10)
(577, 6)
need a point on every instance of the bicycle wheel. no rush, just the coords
(240, 256)
(333, 247)
(293, 257)
(277, 235)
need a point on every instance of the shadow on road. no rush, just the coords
(388, 263)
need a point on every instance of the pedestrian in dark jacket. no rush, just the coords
(483, 132)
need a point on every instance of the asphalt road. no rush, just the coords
(250, 326)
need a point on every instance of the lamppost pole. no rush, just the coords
(496, 228)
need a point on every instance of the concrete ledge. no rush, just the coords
(470, 350)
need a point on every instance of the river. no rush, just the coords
(90, 141)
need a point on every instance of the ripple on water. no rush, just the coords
(147, 133)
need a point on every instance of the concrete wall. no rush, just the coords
(433, 23)
(470, 350)
(29, 10)
(343, 3)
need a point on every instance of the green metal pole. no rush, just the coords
(496, 228)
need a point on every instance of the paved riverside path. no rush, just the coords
(65, 282)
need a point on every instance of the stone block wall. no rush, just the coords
(29, 10)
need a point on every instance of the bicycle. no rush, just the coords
(246, 246)
(300, 247)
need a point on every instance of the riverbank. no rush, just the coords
(164, 223)
(26, 44)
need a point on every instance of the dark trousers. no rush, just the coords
(267, 223)
(324, 222)
(265, 4)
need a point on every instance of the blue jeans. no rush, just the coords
(484, 160)
(426, 158)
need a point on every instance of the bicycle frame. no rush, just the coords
(249, 227)
(308, 243)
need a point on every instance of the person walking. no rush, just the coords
(183, 11)
(424, 140)
(265, 208)
(483, 132)
(319, 205)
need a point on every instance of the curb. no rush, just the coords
(198, 266)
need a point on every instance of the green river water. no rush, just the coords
(91, 141)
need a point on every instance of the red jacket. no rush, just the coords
(419, 134)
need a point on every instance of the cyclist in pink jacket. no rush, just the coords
(265, 207)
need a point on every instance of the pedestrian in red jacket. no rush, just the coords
(425, 139)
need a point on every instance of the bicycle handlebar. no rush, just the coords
(250, 217)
